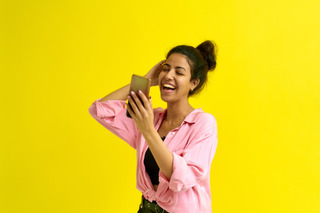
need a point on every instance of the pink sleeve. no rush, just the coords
(194, 164)
(112, 115)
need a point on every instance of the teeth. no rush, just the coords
(169, 86)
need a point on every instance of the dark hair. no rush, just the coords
(201, 60)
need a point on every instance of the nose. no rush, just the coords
(169, 74)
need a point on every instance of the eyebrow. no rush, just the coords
(175, 67)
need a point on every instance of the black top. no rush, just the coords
(151, 166)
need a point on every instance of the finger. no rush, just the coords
(130, 111)
(135, 108)
(144, 100)
(162, 62)
(150, 103)
(137, 101)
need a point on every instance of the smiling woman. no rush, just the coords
(200, 60)
(175, 146)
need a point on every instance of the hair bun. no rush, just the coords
(208, 52)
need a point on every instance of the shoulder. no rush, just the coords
(203, 121)
(198, 116)
(203, 128)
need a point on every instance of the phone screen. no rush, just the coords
(139, 83)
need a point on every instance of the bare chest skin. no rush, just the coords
(166, 128)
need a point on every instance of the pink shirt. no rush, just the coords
(193, 145)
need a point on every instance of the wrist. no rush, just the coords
(150, 135)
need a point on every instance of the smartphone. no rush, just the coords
(139, 83)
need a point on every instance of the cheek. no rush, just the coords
(184, 84)
(160, 77)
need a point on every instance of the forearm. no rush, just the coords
(120, 94)
(160, 152)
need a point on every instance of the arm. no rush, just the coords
(111, 114)
(143, 117)
(120, 94)
(110, 111)
(160, 152)
(178, 172)
(193, 165)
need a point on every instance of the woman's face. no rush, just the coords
(174, 79)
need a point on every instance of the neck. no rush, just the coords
(177, 111)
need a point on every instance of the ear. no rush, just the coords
(194, 83)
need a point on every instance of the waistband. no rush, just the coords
(153, 206)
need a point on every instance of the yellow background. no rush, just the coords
(57, 57)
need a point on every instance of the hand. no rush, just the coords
(153, 74)
(141, 114)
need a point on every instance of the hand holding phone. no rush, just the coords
(139, 83)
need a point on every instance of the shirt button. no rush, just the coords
(172, 133)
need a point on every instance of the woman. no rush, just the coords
(175, 146)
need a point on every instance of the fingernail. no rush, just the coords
(140, 91)
(132, 92)
(129, 96)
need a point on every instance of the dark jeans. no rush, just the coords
(150, 207)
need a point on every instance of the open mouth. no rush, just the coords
(168, 87)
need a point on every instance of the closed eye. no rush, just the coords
(168, 69)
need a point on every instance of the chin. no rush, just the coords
(168, 99)
(165, 98)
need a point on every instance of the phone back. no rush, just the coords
(140, 83)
